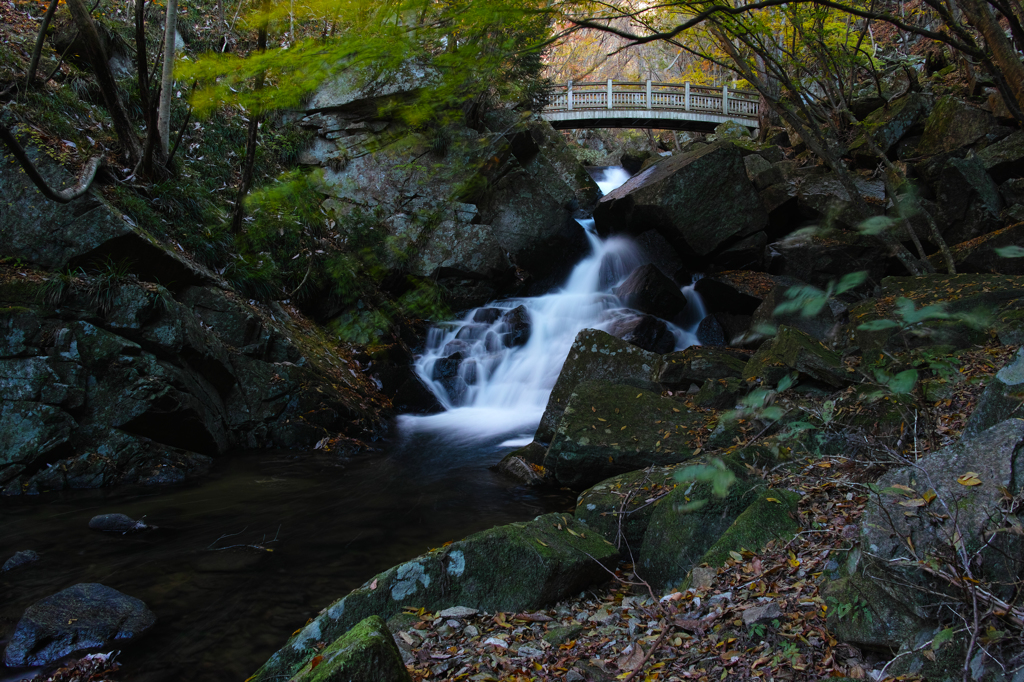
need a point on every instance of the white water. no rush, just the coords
(505, 390)
(611, 178)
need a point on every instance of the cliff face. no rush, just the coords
(145, 369)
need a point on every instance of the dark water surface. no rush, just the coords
(221, 614)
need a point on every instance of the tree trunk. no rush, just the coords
(163, 121)
(1003, 55)
(98, 58)
(37, 51)
(141, 60)
(250, 146)
(62, 196)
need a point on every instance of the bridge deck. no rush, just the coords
(615, 104)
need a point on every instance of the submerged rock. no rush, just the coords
(84, 616)
(644, 331)
(22, 558)
(115, 523)
(517, 567)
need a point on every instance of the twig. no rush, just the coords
(654, 647)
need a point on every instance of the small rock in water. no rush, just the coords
(116, 523)
(20, 559)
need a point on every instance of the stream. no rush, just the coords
(245, 556)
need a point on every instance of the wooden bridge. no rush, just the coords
(673, 106)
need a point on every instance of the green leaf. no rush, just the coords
(851, 281)
(903, 382)
(1010, 252)
(941, 638)
(787, 382)
(828, 411)
(878, 325)
(876, 225)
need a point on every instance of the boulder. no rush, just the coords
(952, 124)
(366, 653)
(597, 355)
(746, 254)
(979, 255)
(735, 291)
(517, 567)
(115, 523)
(949, 497)
(820, 326)
(719, 394)
(684, 525)
(648, 290)
(1003, 398)
(460, 249)
(888, 125)
(695, 364)
(1004, 159)
(644, 331)
(791, 349)
(710, 332)
(84, 616)
(524, 465)
(772, 515)
(22, 558)
(698, 201)
(968, 199)
(30, 433)
(619, 507)
(824, 197)
(956, 293)
(608, 429)
(1012, 191)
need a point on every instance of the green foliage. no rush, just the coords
(1010, 252)
(856, 610)
(714, 472)
(808, 301)
(59, 285)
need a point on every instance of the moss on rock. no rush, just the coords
(793, 349)
(771, 516)
(626, 497)
(366, 653)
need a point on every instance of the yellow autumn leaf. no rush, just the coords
(772, 499)
(970, 478)
(919, 502)
(736, 556)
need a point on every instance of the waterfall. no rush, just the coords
(494, 368)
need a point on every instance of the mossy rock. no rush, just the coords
(597, 355)
(685, 524)
(697, 363)
(889, 124)
(600, 506)
(869, 612)
(366, 653)
(952, 124)
(517, 567)
(793, 349)
(719, 394)
(609, 429)
(1003, 398)
(771, 516)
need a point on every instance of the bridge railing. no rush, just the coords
(653, 95)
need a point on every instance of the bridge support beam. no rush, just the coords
(687, 95)
(648, 93)
(569, 98)
(610, 100)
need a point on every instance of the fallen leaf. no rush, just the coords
(970, 478)
(373, 585)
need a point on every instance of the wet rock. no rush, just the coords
(366, 652)
(597, 355)
(550, 564)
(792, 349)
(84, 616)
(619, 507)
(644, 331)
(22, 558)
(698, 201)
(953, 124)
(648, 290)
(719, 394)
(487, 315)
(115, 523)
(746, 254)
(516, 326)
(524, 465)
(736, 291)
(710, 332)
(608, 429)
(695, 364)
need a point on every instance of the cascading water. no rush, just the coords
(493, 369)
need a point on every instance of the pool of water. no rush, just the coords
(222, 613)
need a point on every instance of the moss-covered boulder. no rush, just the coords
(719, 394)
(608, 429)
(366, 653)
(956, 293)
(889, 124)
(685, 524)
(820, 326)
(771, 516)
(870, 611)
(968, 199)
(1003, 398)
(525, 465)
(791, 349)
(517, 567)
(597, 355)
(620, 507)
(695, 364)
(698, 201)
(953, 124)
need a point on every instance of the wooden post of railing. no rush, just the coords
(648, 93)
(725, 100)
(569, 95)
(687, 95)
(609, 93)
